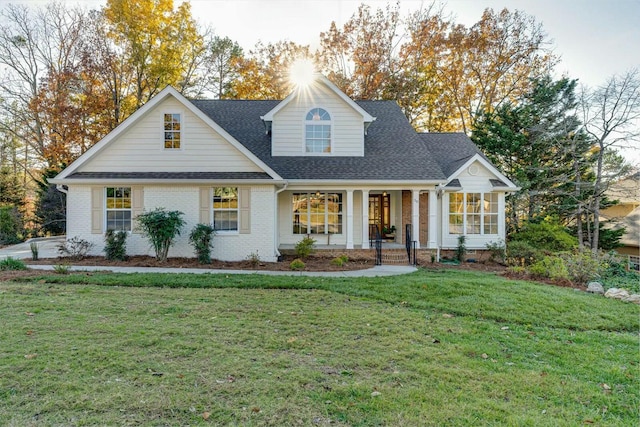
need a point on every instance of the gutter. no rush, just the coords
(275, 220)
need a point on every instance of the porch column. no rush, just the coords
(349, 211)
(365, 219)
(415, 215)
(433, 220)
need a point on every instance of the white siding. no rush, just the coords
(141, 148)
(347, 132)
(185, 199)
(474, 179)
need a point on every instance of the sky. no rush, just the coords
(594, 39)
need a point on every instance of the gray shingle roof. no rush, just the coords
(451, 150)
(394, 151)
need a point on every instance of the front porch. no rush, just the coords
(351, 219)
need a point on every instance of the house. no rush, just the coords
(626, 214)
(268, 173)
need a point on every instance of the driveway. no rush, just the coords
(47, 248)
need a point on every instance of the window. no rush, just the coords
(317, 213)
(473, 213)
(171, 131)
(318, 131)
(118, 208)
(225, 209)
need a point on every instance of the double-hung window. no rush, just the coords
(118, 208)
(318, 131)
(225, 209)
(473, 213)
(172, 131)
(317, 213)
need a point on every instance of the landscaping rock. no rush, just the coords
(595, 288)
(617, 293)
(634, 298)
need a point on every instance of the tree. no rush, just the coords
(223, 57)
(611, 117)
(532, 143)
(361, 58)
(51, 206)
(159, 43)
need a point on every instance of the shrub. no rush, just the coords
(305, 247)
(201, 238)
(497, 251)
(62, 268)
(161, 227)
(550, 267)
(115, 246)
(461, 250)
(340, 260)
(34, 250)
(12, 264)
(584, 266)
(546, 236)
(75, 248)
(254, 259)
(10, 225)
(522, 254)
(297, 264)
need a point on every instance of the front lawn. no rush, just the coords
(430, 348)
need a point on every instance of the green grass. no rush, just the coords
(431, 348)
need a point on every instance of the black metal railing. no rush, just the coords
(410, 245)
(378, 245)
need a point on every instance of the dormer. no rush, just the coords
(317, 120)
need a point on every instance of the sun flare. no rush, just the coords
(302, 72)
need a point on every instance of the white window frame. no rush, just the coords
(179, 131)
(107, 209)
(325, 197)
(320, 122)
(482, 215)
(229, 209)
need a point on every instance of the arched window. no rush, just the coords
(318, 131)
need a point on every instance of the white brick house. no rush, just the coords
(267, 173)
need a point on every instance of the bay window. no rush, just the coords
(473, 213)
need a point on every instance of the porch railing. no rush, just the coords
(410, 245)
(378, 244)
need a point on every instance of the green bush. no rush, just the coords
(550, 267)
(545, 236)
(461, 249)
(35, 250)
(339, 261)
(161, 227)
(522, 254)
(10, 225)
(297, 264)
(115, 246)
(305, 247)
(201, 238)
(254, 259)
(12, 264)
(497, 251)
(584, 266)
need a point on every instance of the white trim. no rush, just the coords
(142, 111)
(478, 158)
(320, 79)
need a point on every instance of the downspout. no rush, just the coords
(275, 220)
(61, 189)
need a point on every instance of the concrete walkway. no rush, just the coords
(48, 248)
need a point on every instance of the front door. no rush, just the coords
(379, 212)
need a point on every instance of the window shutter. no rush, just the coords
(205, 205)
(245, 211)
(97, 194)
(137, 207)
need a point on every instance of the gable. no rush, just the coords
(140, 148)
(478, 175)
(288, 126)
